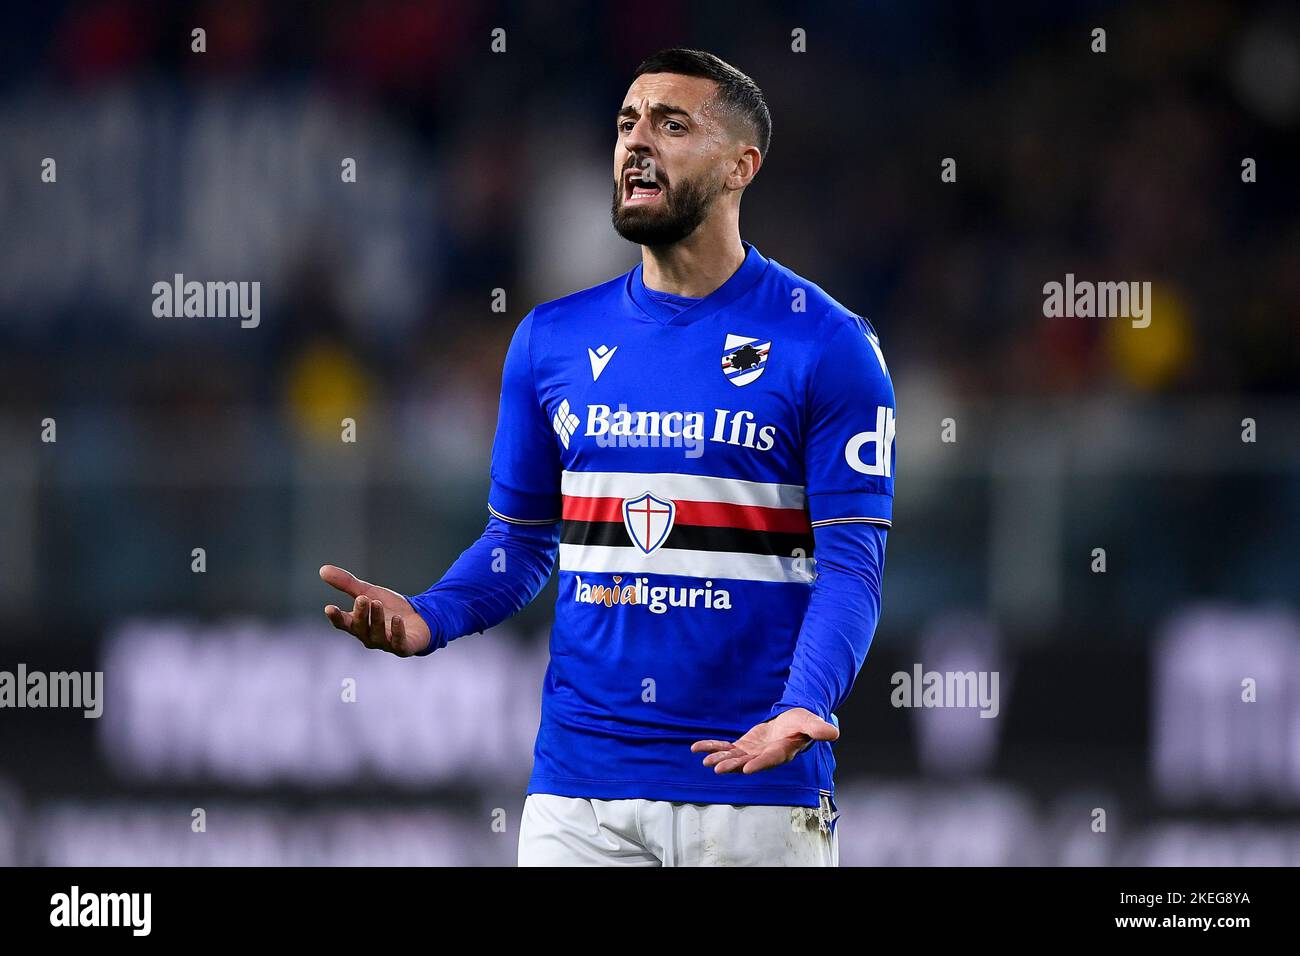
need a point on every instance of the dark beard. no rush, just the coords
(685, 208)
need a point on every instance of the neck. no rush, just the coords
(698, 264)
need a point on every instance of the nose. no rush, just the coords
(638, 142)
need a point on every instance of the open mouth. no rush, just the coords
(638, 190)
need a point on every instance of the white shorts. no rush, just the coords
(572, 831)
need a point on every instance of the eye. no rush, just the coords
(674, 126)
(625, 126)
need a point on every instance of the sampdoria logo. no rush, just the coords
(744, 359)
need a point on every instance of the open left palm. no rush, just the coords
(768, 744)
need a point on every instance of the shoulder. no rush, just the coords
(573, 307)
(832, 326)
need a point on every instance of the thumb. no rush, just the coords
(344, 581)
(818, 729)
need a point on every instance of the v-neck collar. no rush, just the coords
(741, 281)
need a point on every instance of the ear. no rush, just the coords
(745, 168)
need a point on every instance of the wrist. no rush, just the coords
(430, 618)
(787, 704)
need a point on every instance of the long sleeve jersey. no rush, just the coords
(716, 478)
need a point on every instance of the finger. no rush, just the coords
(345, 581)
(821, 730)
(771, 757)
(732, 764)
(339, 618)
(361, 620)
(711, 746)
(801, 722)
(378, 633)
(714, 759)
(399, 634)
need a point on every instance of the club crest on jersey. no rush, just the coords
(744, 359)
(648, 519)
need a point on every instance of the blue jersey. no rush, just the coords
(687, 454)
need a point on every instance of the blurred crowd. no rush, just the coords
(492, 172)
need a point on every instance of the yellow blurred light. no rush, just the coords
(1150, 358)
(325, 384)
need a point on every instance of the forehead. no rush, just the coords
(688, 92)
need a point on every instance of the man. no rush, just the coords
(687, 434)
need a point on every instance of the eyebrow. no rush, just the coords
(662, 108)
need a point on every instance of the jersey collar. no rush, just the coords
(741, 281)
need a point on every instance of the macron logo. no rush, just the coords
(599, 359)
(565, 422)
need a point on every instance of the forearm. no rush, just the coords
(840, 621)
(493, 579)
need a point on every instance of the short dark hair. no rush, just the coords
(737, 92)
